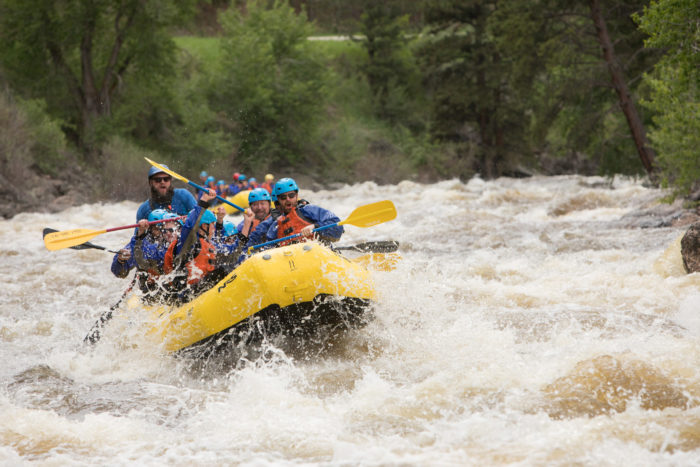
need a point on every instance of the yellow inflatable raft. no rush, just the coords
(239, 199)
(291, 290)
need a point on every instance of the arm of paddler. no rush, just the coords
(321, 217)
(188, 234)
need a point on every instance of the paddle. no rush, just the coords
(382, 246)
(82, 246)
(199, 187)
(69, 238)
(94, 334)
(364, 216)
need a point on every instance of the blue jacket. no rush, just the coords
(318, 216)
(148, 254)
(258, 235)
(222, 248)
(122, 270)
(182, 203)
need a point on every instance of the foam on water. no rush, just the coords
(528, 322)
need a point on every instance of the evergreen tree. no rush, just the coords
(473, 100)
(674, 27)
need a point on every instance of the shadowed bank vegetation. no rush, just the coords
(424, 90)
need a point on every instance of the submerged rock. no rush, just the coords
(690, 248)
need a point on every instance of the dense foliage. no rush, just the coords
(425, 89)
(674, 26)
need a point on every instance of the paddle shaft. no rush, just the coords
(289, 237)
(69, 238)
(220, 198)
(149, 223)
(363, 216)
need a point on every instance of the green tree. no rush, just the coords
(473, 101)
(583, 64)
(673, 26)
(390, 70)
(80, 55)
(270, 85)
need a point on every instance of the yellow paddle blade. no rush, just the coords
(167, 170)
(371, 214)
(68, 238)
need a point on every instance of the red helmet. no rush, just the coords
(235, 176)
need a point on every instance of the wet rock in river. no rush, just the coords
(690, 248)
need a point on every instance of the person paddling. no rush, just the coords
(258, 214)
(149, 250)
(164, 196)
(195, 260)
(304, 219)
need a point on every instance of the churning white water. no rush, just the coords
(530, 322)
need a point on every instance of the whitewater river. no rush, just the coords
(530, 322)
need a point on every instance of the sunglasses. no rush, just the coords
(291, 195)
(167, 230)
(161, 179)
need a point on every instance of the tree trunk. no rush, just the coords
(646, 154)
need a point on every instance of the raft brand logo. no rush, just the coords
(223, 286)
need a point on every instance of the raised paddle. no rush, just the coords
(69, 238)
(199, 187)
(364, 216)
(382, 246)
(82, 246)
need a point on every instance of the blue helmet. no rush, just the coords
(285, 185)
(207, 218)
(220, 182)
(203, 174)
(158, 214)
(155, 170)
(252, 180)
(229, 228)
(210, 178)
(241, 178)
(259, 194)
(172, 215)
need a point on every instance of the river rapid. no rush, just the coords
(529, 322)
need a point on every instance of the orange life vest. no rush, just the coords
(267, 186)
(198, 267)
(290, 224)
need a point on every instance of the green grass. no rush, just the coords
(205, 50)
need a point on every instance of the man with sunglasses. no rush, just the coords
(164, 196)
(297, 218)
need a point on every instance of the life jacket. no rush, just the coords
(290, 224)
(267, 186)
(202, 264)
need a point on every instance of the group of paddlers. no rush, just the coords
(181, 247)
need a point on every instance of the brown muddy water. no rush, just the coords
(529, 322)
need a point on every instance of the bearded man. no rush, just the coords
(164, 196)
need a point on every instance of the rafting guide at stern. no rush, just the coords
(164, 196)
